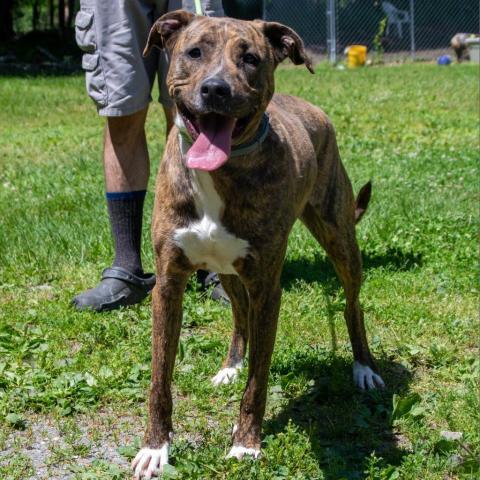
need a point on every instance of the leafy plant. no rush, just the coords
(378, 41)
(407, 407)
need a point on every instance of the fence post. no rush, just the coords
(331, 31)
(412, 28)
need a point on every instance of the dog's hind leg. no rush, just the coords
(238, 345)
(337, 237)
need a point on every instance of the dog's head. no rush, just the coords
(221, 74)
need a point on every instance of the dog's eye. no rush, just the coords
(251, 59)
(194, 53)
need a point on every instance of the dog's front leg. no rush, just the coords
(167, 319)
(262, 326)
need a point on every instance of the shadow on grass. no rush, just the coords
(322, 271)
(345, 426)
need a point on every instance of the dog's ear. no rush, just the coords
(286, 43)
(166, 28)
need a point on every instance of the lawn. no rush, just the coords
(73, 385)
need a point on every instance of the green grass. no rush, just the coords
(413, 130)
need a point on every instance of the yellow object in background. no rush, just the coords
(356, 55)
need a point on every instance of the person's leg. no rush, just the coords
(120, 80)
(125, 155)
(126, 165)
(127, 169)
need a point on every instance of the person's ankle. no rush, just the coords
(132, 268)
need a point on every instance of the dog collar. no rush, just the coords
(262, 132)
(237, 151)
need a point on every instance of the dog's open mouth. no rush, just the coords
(212, 135)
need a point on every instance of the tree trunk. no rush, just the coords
(61, 15)
(35, 14)
(6, 20)
(71, 12)
(51, 13)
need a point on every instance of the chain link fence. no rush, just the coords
(395, 30)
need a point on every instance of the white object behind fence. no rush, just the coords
(395, 17)
(416, 29)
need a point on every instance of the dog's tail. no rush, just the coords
(361, 203)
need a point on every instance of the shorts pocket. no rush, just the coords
(84, 31)
(91, 62)
(94, 78)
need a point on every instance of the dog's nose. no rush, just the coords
(215, 89)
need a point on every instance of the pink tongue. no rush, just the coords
(212, 147)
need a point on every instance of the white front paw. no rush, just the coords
(239, 452)
(227, 375)
(365, 378)
(149, 462)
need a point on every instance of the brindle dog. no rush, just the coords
(230, 187)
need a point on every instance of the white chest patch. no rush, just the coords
(206, 241)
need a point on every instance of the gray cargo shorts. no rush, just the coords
(112, 35)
